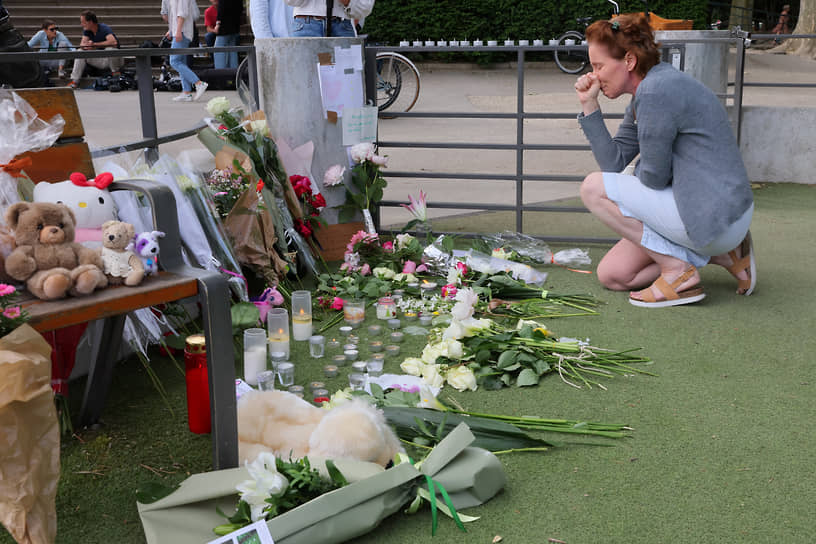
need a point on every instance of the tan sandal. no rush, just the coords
(747, 263)
(669, 290)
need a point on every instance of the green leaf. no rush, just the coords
(244, 315)
(526, 331)
(526, 378)
(336, 476)
(541, 367)
(377, 391)
(507, 379)
(506, 359)
(482, 356)
(512, 368)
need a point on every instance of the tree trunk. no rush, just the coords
(741, 14)
(806, 24)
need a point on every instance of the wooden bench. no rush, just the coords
(174, 282)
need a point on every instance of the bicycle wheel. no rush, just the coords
(397, 82)
(571, 62)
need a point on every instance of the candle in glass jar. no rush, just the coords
(330, 371)
(375, 345)
(374, 330)
(333, 343)
(386, 308)
(301, 325)
(354, 312)
(392, 349)
(279, 342)
(410, 316)
(394, 323)
(396, 337)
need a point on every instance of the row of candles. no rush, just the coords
(481, 43)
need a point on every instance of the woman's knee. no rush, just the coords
(610, 276)
(592, 188)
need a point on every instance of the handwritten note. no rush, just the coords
(359, 125)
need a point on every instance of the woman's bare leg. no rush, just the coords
(627, 266)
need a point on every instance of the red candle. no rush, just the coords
(198, 386)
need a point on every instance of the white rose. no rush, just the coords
(461, 378)
(384, 273)
(258, 127)
(407, 278)
(454, 277)
(412, 366)
(334, 175)
(473, 325)
(404, 240)
(431, 352)
(378, 160)
(455, 330)
(432, 377)
(218, 105)
(362, 152)
(454, 349)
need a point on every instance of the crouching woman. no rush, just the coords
(689, 201)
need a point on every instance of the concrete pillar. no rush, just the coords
(707, 62)
(290, 97)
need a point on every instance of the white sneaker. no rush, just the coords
(183, 97)
(200, 87)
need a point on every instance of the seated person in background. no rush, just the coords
(95, 35)
(51, 39)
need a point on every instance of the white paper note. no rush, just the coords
(359, 125)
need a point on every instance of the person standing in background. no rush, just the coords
(309, 19)
(228, 29)
(181, 16)
(51, 39)
(270, 18)
(783, 25)
(210, 18)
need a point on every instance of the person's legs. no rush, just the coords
(209, 39)
(342, 29)
(115, 63)
(594, 196)
(78, 70)
(179, 64)
(226, 60)
(308, 27)
(627, 266)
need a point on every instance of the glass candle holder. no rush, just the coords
(375, 346)
(349, 346)
(351, 354)
(553, 42)
(266, 380)
(320, 395)
(277, 324)
(394, 323)
(396, 337)
(339, 360)
(374, 367)
(316, 385)
(425, 320)
(354, 312)
(296, 390)
(538, 43)
(286, 374)
(330, 371)
(427, 289)
(333, 343)
(276, 358)
(392, 350)
(377, 356)
(254, 354)
(345, 330)
(353, 339)
(357, 381)
(317, 346)
(301, 315)
(410, 315)
(358, 366)
(374, 330)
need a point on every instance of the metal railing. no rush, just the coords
(144, 79)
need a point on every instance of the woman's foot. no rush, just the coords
(672, 288)
(184, 97)
(741, 263)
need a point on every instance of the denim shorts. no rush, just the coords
(663, 229)
(310, 27)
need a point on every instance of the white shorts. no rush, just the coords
(663, 230)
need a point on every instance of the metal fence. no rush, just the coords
(144, 79)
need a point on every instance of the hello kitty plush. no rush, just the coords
(146, 246)
(90, 201)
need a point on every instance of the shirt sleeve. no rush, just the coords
(612, 154)
(657, 130)
(360, 9)
(34, 42)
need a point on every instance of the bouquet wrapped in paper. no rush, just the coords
(469, 476)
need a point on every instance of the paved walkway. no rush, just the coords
(113, 118)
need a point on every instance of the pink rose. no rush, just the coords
(409, 268)
(421, 268)
(337, 304)
(449, 291)
(462, 268)
(365, 270)
(388, 247)
(379, 160)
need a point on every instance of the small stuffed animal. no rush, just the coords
(46, 257)
(119, 263)
(146, 246)
(90, 201)
(285, 424)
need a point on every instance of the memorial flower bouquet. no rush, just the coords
(368, 184)
(12, 315)
(226, 186)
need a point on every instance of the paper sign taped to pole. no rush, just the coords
(339, 89)
(359, 125)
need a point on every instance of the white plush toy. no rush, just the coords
(146, 246)
(90, 201)
(284, 424)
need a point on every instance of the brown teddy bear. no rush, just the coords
(46, 257)
(120, 264)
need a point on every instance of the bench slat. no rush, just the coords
(57, 162)
(56, 100)
(55, 314)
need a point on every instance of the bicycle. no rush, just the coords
(573, 61)
(397, 82)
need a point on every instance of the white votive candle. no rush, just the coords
(254, 363)
(538, 42)
(301, 327)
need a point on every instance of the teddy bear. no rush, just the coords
(288, 426)
(46, 256)
(120, 264)
(146, 246)
(90, 201)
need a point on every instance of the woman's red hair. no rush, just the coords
(629, 33)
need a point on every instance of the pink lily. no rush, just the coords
(421, 268)
(462, 268)
(409, 267)
(418, 207)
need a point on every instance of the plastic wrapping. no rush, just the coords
(470, 475)
(538, 251)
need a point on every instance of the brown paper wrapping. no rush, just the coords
(29, 438)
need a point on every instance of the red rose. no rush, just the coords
(318, 201)
(260, 185)
(304, 229)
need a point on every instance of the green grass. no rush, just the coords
(722, 449)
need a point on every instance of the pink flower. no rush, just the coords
(421, 268)
(362, 152)
(388, 247)
(462, 268)
(449, 291)
(418, 207)
(334, 175)
(379, 160)
(6, 289)
(12, 312)
(361, 236)
(337, 304)
(365, 270)
(409, 268)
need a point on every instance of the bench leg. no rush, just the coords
(100, 372)
(213, 294)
